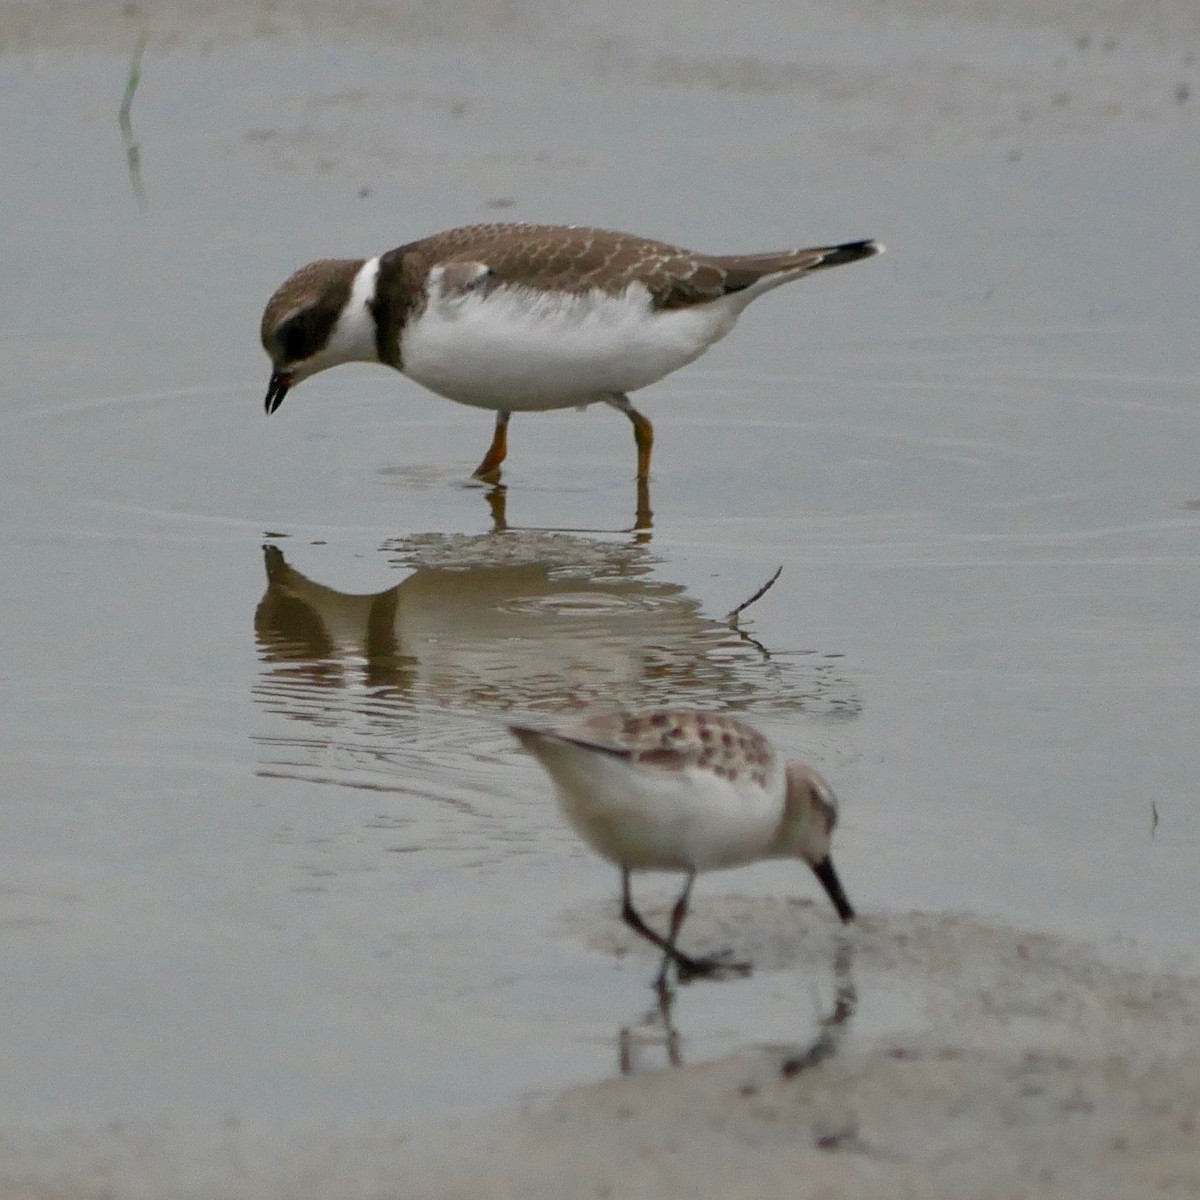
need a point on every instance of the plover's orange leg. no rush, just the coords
(643, 517)
(643, 433)
(489, 469)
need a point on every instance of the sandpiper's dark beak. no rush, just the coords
(833, 886)
(276, 390)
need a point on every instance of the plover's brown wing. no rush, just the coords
(576, 259)
(566, 258)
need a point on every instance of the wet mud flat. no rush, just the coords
(1035, 1068)
(1042, 1071)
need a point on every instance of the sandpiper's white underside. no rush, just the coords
(518, 349)
(646, 818)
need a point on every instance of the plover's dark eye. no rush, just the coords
(296, 339)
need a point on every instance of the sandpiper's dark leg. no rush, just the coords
(688, 967)
(678, 913)
(633, 919)
(643, 433)
(711, 964)
(489, 469)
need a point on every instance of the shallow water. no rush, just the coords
(268, 853)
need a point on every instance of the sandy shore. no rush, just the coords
(1041, 1071)
(1036, 1069)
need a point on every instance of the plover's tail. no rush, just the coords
(847, 252)
(749, 275)
(814, 258)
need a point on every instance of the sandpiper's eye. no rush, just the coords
(826, 804)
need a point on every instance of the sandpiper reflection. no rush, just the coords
(522, 620)
(654, 1041)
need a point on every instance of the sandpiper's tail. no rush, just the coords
(540, 742)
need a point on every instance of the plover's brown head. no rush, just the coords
(806, 830)
(319, 317)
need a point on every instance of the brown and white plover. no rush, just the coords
(524, 318)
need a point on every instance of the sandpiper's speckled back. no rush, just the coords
(678, 738)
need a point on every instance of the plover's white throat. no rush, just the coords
(686, 791)
(524, 318)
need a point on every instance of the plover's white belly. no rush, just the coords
(523, 350)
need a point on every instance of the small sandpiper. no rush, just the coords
(670, 790)
(524, 318)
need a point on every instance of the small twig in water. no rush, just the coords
(733, 614)
(133, 154)
(131, 85)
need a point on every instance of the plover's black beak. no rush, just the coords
(276, 390)
(833, 886)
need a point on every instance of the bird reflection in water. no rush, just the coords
(527, 620)
(657, 1028)
(643, 516)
